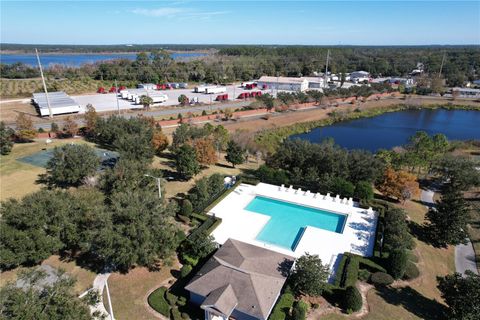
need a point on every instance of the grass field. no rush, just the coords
(420, 298)
(84, 277)
(129, 292)
(177, 187)
(18, 178)
(18, 88)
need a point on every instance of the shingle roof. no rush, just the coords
(255, 275)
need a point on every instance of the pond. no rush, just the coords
(393, 129)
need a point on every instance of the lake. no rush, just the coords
(393, 129)
(76, 60)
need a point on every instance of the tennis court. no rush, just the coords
(40, 159)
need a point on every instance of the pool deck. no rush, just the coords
(358, 235)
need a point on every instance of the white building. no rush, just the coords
(283, 83)
(60, 103)
(315, 82)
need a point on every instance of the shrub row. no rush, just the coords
(282, 308)
(381, 279)
(347, 272)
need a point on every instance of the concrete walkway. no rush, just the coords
(464, 253)
(98, 285)
(465, 258)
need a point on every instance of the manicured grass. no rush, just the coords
(19, 178)
(129, 292)
(157, 301)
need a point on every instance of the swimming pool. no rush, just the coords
(288, 221)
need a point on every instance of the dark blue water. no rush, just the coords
(393, 129)
(76, 60)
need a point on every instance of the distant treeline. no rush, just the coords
(240, 63)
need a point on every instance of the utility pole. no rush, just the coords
(116, 95)
(325, 76)
(441, 66)
(158, 184)
(44, 85)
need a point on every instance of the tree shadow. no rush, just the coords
(414, 302)
(284, 267)
(423, 233)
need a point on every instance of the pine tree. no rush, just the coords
(449, 219)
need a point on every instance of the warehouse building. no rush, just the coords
(315, 82)
(60, 103)
(283, 83)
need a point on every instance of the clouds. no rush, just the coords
(177, 12)
(159, 12)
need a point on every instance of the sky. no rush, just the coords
(311, 22)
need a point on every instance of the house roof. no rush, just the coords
(222, 299)
(254, 274)
(281, 79)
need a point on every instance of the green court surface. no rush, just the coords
(40, 159)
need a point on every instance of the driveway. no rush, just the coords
(464, 253)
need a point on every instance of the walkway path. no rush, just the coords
(464, 253)
(99, 284)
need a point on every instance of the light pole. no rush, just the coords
(158, 184)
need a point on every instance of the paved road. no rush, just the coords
(154, 113)
(464, 253)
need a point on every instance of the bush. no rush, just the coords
(364, 275)
(412, 256)
(353, 300)
(171, 298)
(185, 270)
(182, 301)
(411, 271)
(189, 260)
(363, 191)
(342, 187)
(157, 301)
(282, 307)
(397, 262)
(187, 208)
(299, 310)
(176, 314)
(381, 279)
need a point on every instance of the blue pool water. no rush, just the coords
(288, 220)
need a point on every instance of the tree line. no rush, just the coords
(241, 63)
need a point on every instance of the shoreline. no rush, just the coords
(271, 138)
(23, 53)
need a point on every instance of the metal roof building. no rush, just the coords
(60, 103)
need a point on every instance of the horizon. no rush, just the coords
(302, 23)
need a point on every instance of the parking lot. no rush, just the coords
(108, 101)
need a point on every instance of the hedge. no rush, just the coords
(176, 315)
(340, 271)
(282, 307)
(171, 298)
(199, 217)
(351, 274)
(185, 270)
(157, 301)
(370, 265)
